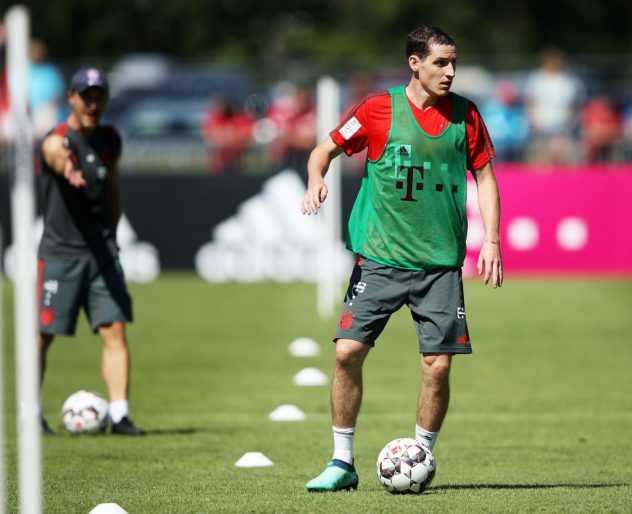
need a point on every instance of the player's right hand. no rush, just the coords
(314, 197)
(73, 175)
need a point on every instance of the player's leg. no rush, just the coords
(438, 310)
(346, 398)
(346, 395)
(44, 343)
(115, 361)
(434, 397)
(346, 386)
(371, 297)
(115, 366)
(109, 308)
(59, 290)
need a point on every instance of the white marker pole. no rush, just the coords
(3, 475)
(23, 214)
(328, 112)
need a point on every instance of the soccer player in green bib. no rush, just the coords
(408, 228)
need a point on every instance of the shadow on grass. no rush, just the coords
(189, 430)
(149, 432)
(441, 488)
(176, 431)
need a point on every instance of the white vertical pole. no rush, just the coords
(23, 214)
(3, 475)
(328, 106)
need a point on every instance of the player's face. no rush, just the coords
(436, 72)
(88, 106)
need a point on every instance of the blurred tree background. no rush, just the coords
(328, 31)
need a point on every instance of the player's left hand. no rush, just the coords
(490, 263)
(314, 197)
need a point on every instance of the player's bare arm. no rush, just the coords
(317, 167)
(490, 258)
(55, 154)
(61, 160)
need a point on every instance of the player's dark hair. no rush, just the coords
(422, 38)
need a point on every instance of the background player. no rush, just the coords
(78, 256)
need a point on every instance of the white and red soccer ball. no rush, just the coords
(405, 467)
(85, 412)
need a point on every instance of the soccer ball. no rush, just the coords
(405, 467)
(85, 412)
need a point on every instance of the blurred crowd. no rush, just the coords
(285, 132)
(546, 115)
(555, 118)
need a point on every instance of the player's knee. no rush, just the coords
(112, 328)
(113, 334)
(437, 367)
(350, 354)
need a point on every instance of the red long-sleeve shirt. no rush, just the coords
(368, 123)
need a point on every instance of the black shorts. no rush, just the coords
(67, 284)
(435, 299)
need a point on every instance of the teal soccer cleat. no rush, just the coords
(338, 476)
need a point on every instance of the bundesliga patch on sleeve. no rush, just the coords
(350, 128)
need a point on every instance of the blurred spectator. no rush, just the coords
(228, 133)
(627, 132)
(45, 91)
(293, 113)
(601, 129)
(358, 87)
(4, 90)
(506, 121)
(302, 129)
(552, 97)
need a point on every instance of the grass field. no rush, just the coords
(540, 419)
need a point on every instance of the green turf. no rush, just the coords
(540, 420)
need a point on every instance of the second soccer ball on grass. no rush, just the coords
(85, 412)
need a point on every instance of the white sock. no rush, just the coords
(118, 410)
(343, 444)
(425, 438)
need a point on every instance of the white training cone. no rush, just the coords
(304, 347)
(253, 460)
(287, 413)
(310, 377)
(108, 508)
